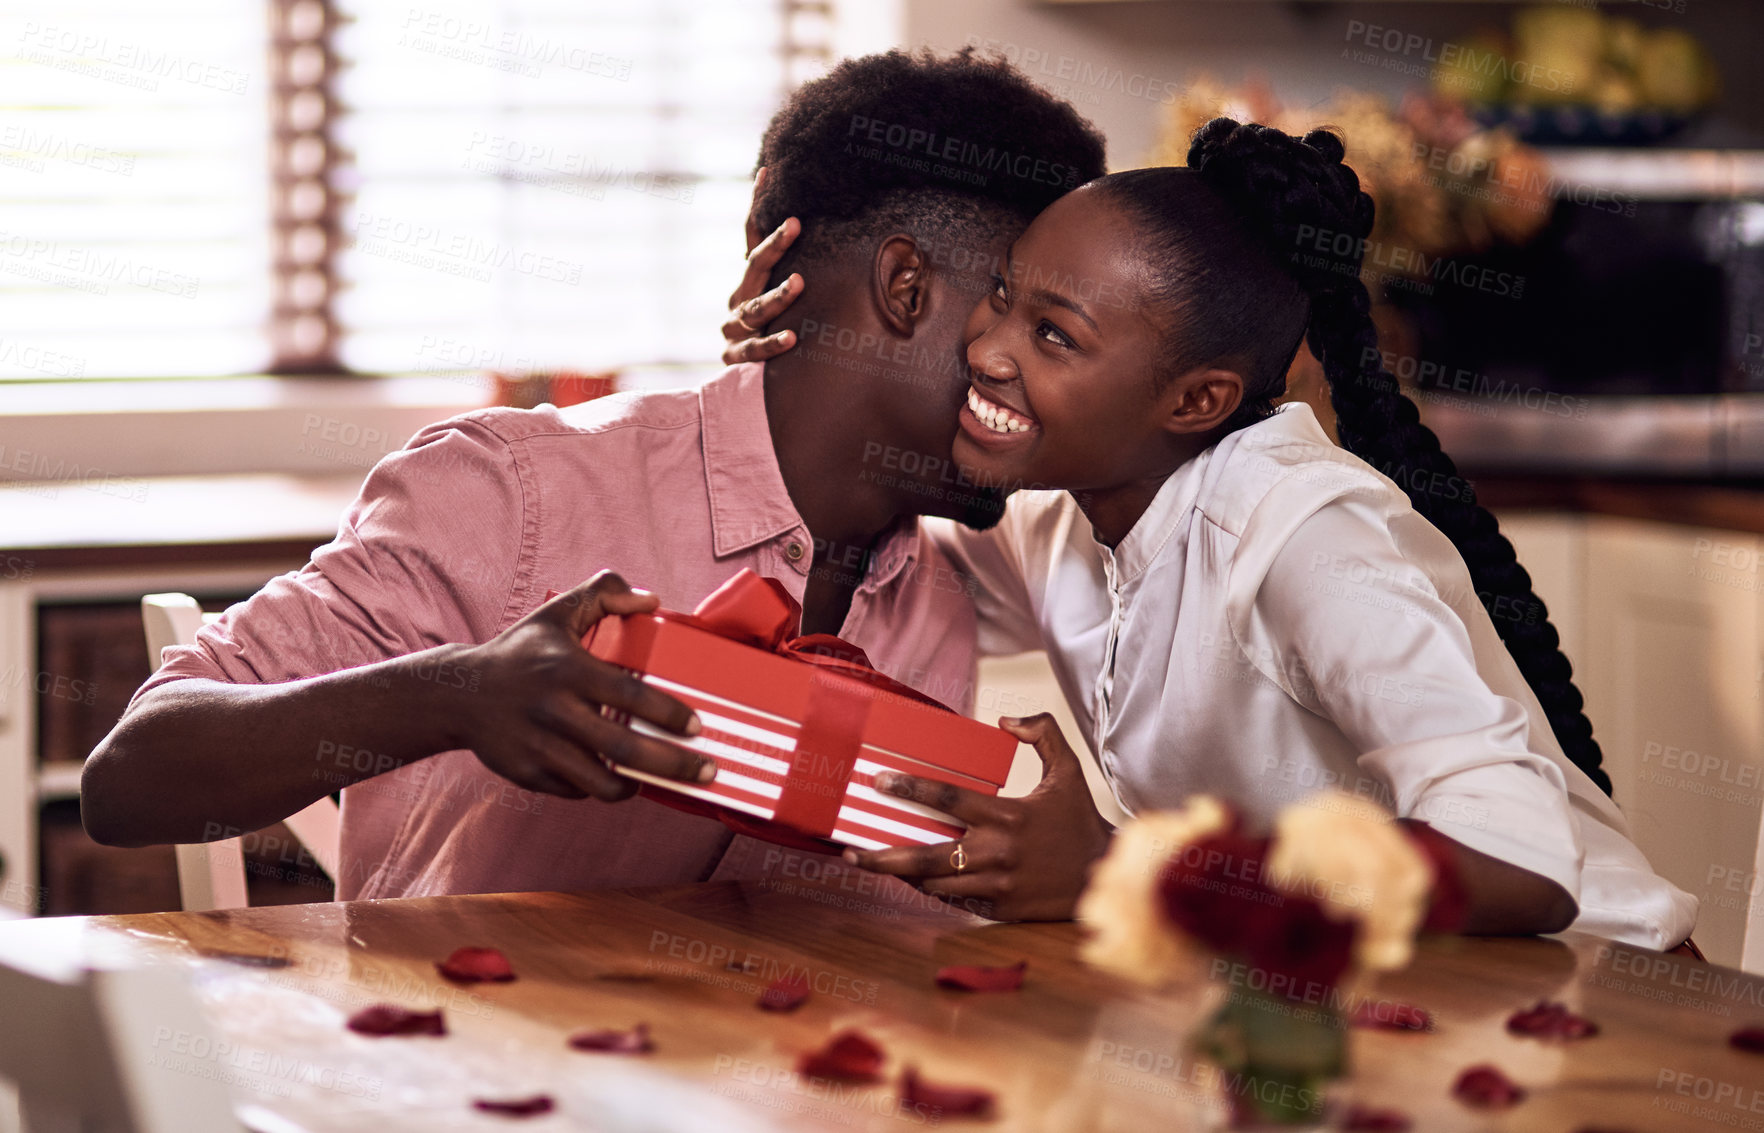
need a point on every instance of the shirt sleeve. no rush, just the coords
(993, 564)
(1359, 634)
(426, 554)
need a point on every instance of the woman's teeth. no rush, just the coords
(996, 417)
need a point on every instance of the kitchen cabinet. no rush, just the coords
(1665, 628)
(72, 563)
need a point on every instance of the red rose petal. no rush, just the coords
(787, 993)
(1551, 1021)
(476, 965)
(970, 977)
(517, 1107)
(850, 1057)
(1365, 1119)
(1748, 1039)
(634, 1041)
(384, 1019)
(945, 1101)
(1391, 1017)
(1485, 1087)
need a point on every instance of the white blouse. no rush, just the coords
(1281, 620)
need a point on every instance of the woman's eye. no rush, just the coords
(998, 289)
(1053, 334)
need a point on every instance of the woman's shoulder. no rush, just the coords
(1284, 468)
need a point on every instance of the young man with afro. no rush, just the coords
(416, 660)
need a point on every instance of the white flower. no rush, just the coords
(1350, 856)
(1129, 934)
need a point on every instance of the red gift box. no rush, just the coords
(799, 726)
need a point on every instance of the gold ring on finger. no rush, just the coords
(958, 858)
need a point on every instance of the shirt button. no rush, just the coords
(794, 551)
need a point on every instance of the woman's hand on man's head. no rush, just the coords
(751, 306)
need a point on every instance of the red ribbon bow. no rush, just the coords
(758, 611)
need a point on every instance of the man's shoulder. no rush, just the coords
(639, 410)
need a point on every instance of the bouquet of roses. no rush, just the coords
(1287, 921)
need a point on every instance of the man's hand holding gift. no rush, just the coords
(536, 718)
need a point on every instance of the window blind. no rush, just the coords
(542, 184)
(133, 189)
(305, 186)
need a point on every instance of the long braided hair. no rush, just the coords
(1259, 242)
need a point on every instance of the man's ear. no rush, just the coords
(1202, 400)
(900, 283)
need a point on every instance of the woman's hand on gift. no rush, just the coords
(529, 702)
(751, 306)
(1022, 859)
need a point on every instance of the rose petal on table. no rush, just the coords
(1485, 1087)
(1748, 1039)
(946, 1101)
(476, 965)
(851, 1056)
(1551, 1021)
(1365, 1119)
(1391, 1017)
(634, 1041)
(972, 977)
(383, 1019)
(516, 1107)
(785, 994)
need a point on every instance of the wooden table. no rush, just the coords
(1073, 1050)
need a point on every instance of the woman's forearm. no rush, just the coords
(1497, 897)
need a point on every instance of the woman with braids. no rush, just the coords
(1232, 603)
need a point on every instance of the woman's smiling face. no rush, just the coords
(1064, 357)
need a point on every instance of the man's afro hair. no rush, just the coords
(944, 133)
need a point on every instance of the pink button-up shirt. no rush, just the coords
(465, 530)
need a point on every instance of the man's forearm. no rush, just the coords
(196, 760)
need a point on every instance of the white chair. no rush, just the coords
(211, 875)
(105, 1051)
